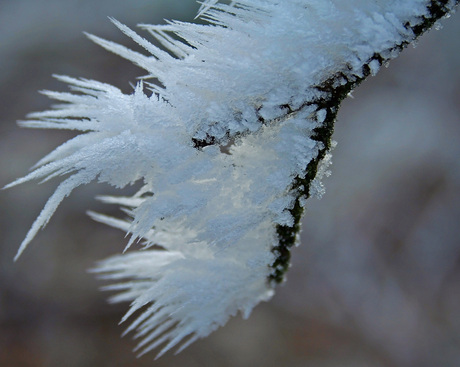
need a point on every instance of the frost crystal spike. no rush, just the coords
(229, 145)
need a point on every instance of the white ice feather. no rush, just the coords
(214, 210)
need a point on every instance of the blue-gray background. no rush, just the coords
(376, 281)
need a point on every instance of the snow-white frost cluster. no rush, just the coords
(217, 143)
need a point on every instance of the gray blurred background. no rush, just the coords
(376, 281)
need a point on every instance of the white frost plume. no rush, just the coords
(218, 143)
(186, 295)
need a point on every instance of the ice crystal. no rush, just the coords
(219, 144)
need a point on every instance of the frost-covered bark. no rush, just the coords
(229, 145)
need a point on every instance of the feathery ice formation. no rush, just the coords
(229, 145)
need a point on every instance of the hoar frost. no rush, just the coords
(224, 145)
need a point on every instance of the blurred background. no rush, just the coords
(376, 280)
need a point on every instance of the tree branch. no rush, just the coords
(334, 92)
